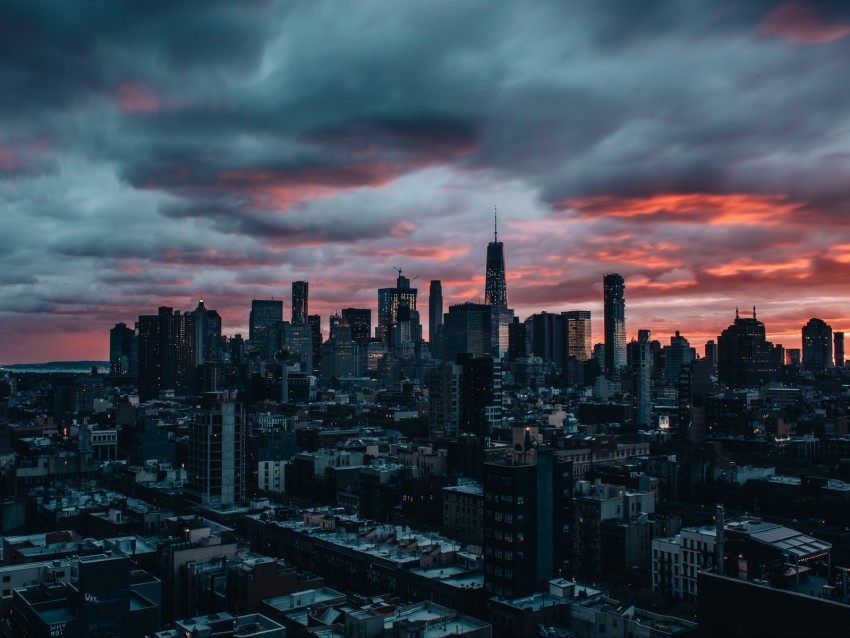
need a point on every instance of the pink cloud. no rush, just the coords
(802, 23)
(137, 98)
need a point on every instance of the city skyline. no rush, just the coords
(698, 151)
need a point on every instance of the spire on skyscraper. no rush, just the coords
(495, 225)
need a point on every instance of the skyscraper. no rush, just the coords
(299, 303)
(640, 361)
(579, 344)
(388, 302)
(549, 337)
(360, 322)
(817, 345)
(207, 334)
(495, 288)
(217, 452)
(745, 359)
(838, 341)
(265, 313)
(496, 295)
(614, 307)
(166, 353)
(676, 356)
(467, 331)
(315, 322)
(435, 310)
(121, 349)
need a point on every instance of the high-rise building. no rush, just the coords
(297, 342)
(496, 296)
(360, 322)
(517, 340)
(677, 355)
(495, 288)
(817, 345)
(265, 313)
(207, 335)
(315, 322)
(217, 451)
(579, 343)
(466, 329)
(745, 358)
(299, 303)
(549, 337)
(465, 397)
(166, 354)
(711, 353)
(614, 307)
(121, 348)
(527, 517)
(838, 342)
(640, 361)
(435, 310)
(388, 302)
(340, 354)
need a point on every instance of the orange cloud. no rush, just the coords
(713, 209)
(423, 251)
(796, 269)
(801, 23)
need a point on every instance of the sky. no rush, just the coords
(157, 152)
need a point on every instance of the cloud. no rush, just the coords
(805, 23)
(151, 152)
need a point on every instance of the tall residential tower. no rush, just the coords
(614, 303)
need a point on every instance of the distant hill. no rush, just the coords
(57, 366)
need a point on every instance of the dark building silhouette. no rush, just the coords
(745, 358)
(388, 303)
(265, 313)
(838, 349)
(207, 335)
(315, 322)
(517, 340)
(527, 516)
(614, 309)
(640, 363)
(711, 353)
(435, 311)
(548, 334)
(216, 466)
(121, 350)
(694, 386)
(677, 355)
(360, 322)
(466, 329)
(340, 353)
(817, 345)
(300, 311)
(166, 353)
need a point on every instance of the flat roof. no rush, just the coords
(473, 489)
(304, 598)
(792, 542)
